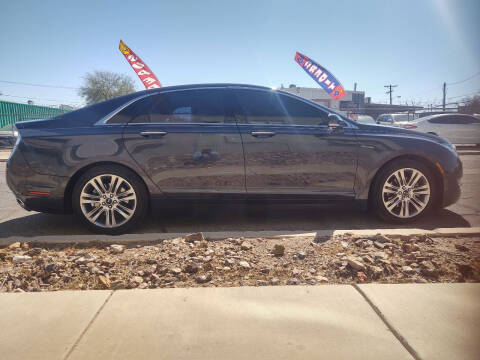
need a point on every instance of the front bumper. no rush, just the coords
(452, 184)
(38, 192)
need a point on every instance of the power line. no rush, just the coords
(39, 85)
(462, 81)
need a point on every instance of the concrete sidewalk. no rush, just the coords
(418, 321)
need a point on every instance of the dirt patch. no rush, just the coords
(193, 261)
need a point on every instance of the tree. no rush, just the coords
(471, 105)
(103, 85)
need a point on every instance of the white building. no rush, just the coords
(319, 95)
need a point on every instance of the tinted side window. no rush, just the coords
(261, 107)
(444, 120)
(186, 106)
(301, 113)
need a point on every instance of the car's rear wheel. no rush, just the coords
(110, 199)
(404, 191)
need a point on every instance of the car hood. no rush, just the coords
(398, 131)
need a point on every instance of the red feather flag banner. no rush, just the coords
(322, 76)
(141, 69)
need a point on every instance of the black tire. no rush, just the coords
(141, 193)
(376, 199)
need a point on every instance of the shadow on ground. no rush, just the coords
(232, 218)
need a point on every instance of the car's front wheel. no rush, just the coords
(110, 199)
(404, 191)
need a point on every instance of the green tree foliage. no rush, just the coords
(103, 85)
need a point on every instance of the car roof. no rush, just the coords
(197, 86)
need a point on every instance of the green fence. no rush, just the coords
(10, 113)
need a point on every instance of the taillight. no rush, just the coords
(408, 126)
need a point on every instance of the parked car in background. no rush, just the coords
(460, 129)
(394, 119)
(365, 119)
(7, 139)
(109, 162)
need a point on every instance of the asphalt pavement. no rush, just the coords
(14, 221)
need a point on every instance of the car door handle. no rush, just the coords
(153, 133)
(262, 133)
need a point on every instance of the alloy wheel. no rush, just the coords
(406, 193)
(108, 201)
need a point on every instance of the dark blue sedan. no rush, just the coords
(111, 161)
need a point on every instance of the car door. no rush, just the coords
(187, 142)
(289, 149)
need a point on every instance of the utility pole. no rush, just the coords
(354, 86)
(444, 94)
(390, 91)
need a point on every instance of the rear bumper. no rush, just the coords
(38, 192)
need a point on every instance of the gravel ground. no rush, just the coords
(193, 261)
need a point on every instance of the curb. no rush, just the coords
(220, 235)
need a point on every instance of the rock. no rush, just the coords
(301, 255)
(137, 279)
(192, 268)
(379, 255)
(368, 259)
(229, 262)
(176, 271)
(190, 238)
(246, 246)
(18, 290)
(361, 277)
(461, 247)
(244, 264)
(202, 279)
(407, 269)
(355, 263)
(382, 239)
(20, 259)
(465, 269)
(359, 242)
(83, 260)
(261, 283)
(34, 251)
(104, 281)
(117, 284)
(50, 268)
(209, 252)
(321, 279)
(428, 269)
(14, 246)
(25, 246)
(3, 253)
(117, 249)
(293, 281)
(344, 244)
(379, 245)
(376, 271)
(275, 281)
(176, 241)
(406, 248)
(278, 250)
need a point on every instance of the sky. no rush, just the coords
(415, 44)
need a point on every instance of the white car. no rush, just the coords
(460, 129)
(394, 119)
(366, 119)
